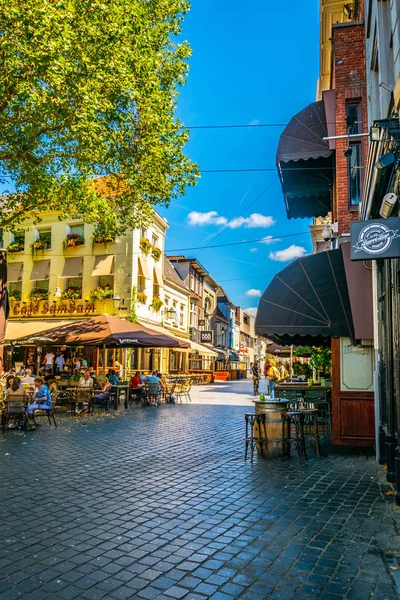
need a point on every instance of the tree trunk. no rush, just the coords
(4, 307)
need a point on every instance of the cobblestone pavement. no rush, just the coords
(159, 503)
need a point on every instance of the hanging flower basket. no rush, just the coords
(141, 298)
(16, 247)
(156, 253)
(72, 293)
(156, 303)
(102, 292)
(38, 294)
(73, 240)
(103, 239)
(14, 296)
(145, 245)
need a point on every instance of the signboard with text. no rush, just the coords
(377, 238)
(206, 337)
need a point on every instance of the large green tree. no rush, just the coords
(88, 89)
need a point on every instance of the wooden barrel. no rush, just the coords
(273, 423)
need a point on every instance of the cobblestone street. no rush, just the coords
(159, 503)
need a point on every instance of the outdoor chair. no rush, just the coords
(44, 412)
(108, 400)
(16, 412)
(153, 394)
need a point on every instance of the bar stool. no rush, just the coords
(324, 412)
(310, 429)
(252, 440)
(293, 420)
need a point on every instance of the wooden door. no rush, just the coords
(353, 415)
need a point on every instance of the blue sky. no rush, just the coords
(251, 62)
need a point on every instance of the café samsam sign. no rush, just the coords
(45, 308)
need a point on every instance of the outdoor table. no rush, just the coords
(273, 409)
(121, 387)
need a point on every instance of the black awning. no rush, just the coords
(307, 300)
(305, 164)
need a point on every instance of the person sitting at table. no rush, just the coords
(43, 397)
(86, 381)
(136, 386)
(48, 374)
(143, 377)
(153, 378)
(28, 377)
(105, 391)
(21, 371)
(75, 377)
(16, 398)
(112, 378)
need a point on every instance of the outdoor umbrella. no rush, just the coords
(110, 332)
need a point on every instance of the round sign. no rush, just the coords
(375, 238)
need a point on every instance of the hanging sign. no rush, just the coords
(206, 337)
(377, 238)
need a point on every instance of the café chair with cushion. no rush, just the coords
(153, 394)
(15, 411)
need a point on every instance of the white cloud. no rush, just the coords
(253, 292)
(254, 220)
(288, 253)
(268, 239)
(213, 218)
(206, 218)
(252, 311)
(253, 249)
(254, 122)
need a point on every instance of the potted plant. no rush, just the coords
(103, 239)
(156, 303)
(37, 294)
(141, 297)
(102, 292)
(145, 245)
(14, 296)
(72, 240)
(43, 242)
(72, 293)
(16, 246)
(156, 252)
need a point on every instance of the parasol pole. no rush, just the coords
(291, 361)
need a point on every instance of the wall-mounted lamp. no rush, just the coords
(348, 152)
(57, 292)
(170, 313)
(385, 161)
(388, 202)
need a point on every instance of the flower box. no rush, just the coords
(156, 303)
(14, 296)
(156, 253)
(102, 293)
(141, 298)
(145, 245)
(73, 240)
(16, 247)
(37, 294)
(72, 293)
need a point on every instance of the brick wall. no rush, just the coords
(349, 81)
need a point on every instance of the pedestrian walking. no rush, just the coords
(256, 377)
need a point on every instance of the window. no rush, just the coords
(166, 301)
(143, 232)
(193, 314)
(156, 289)
(154, 240)
(245, 319)
(73, 288)
(354, 175)
(17, 241)
(15, 290)
(182, 315)
(141, 283)
(354, 160)
(207, 307)
(43, 238)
